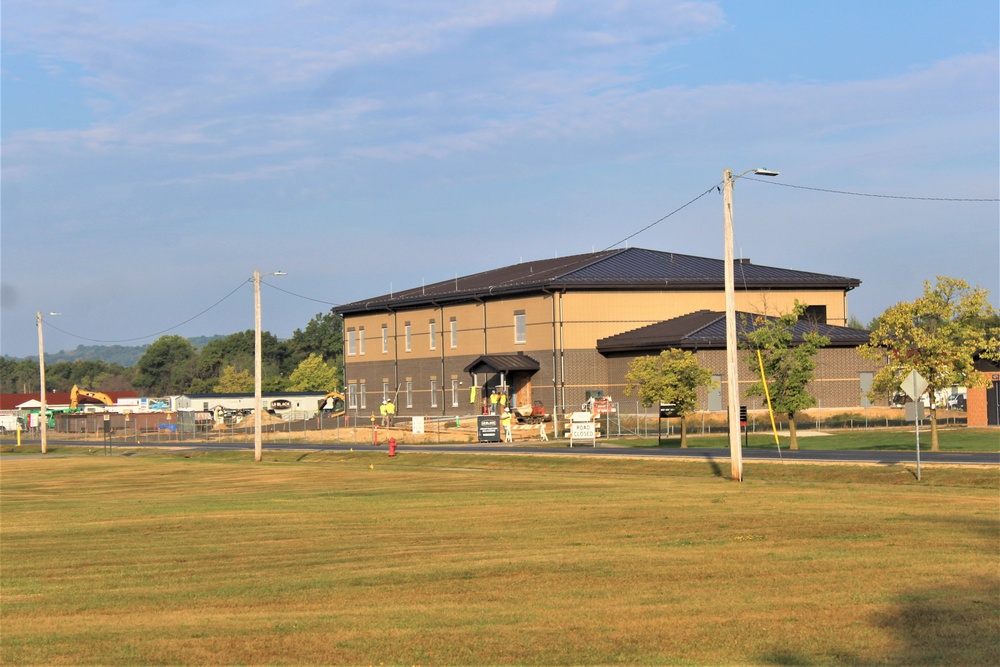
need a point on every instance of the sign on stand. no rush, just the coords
(914, 385)
(418, 425)
(582, 427)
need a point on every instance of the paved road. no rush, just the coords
(702, 453)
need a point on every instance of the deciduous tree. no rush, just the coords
(938, 335)
(313, 374)
(789, 362)
(672, 377)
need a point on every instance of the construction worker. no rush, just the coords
(502, 400)
(494, 400)
(390, 412)
(505, 421)
(384, 412)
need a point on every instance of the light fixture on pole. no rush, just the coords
(257, 407)
(43, 421)
(732, 374)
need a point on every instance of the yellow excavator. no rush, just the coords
(76, 394)
(338, 405)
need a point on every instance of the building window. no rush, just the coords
(434, 393)
(361, 396)
(454, 393)
(409, 337)
(361, 342)
(520, 327)
(409, 394)
(352, 396)
(385, 391)
(352, 342)
(385, 339)
(433, 330)
(454, 333)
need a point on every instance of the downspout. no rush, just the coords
(555, 383)
(395, 349)
(441, 342)
(562, 353)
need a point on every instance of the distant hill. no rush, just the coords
(123, 355)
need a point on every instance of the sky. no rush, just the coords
(154, 154)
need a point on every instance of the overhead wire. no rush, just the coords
(605, 249)
(867, 194)
(158, 333)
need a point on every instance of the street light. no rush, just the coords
(257, 407)
(43, 422)
(732, 374)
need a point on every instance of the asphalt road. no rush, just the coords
(701, 453)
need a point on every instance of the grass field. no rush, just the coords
(427, 559)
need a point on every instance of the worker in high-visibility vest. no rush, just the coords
(505, 421)
(494, 399)
(390, 411)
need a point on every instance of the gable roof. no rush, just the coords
(706, 329)
(635, 269)
(503, 363)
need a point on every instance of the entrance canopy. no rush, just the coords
(503, 363)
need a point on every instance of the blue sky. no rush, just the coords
(154, 154)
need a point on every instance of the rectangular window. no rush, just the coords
(454, 393)
(385, 339)
(385, 391)
(454, 333)
(409, 394)
(409, 337)
(520, 327)
(352, 396)
(352, 342)
(361, 342)
(434, 393)
(433, 330)
(361, 395)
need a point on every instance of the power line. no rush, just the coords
(158, 333)
(653, 224)
(307, 298)
(866, 194)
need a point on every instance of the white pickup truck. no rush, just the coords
(9, 423)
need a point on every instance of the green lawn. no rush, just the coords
(960, 439)
(356, 558)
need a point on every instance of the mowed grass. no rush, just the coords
(427, 559)
(956, 439)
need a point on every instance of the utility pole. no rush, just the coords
(258, 447)
(732, 374)
(43, 422)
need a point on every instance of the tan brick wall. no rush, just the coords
(588, 317)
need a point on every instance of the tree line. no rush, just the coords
(311, 360)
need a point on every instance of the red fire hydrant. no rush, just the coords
(392, 446)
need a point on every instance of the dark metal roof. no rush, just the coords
(706, 329)
(502, 363)
(635, 269)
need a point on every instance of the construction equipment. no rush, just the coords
(338, 405)
(532, 414)
(76, 394)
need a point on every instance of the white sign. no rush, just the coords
(914, 385)
(582, 431)
(418, 424)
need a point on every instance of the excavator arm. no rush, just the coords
(76, 393)
(338, 404)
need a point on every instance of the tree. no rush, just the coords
(938, 335)
(313, 374)
(234, 382)
(788, 363)
(324, 335)
(672, 377)
(166, 366)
